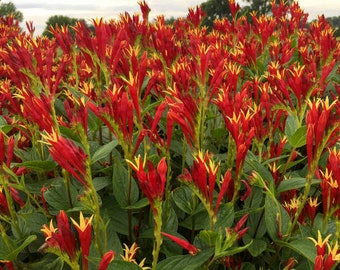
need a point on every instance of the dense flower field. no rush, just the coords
(155, 146)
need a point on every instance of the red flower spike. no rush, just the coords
(145, 11)
(43, 201)
(68, 156)
(36, 109)
(116, 112)
(320, 244)
(224, 187)
(106, 260)
(290, 263)
(66, 238)
(2, 148)
(151, 181)
(333, 256)
(237, 229)
(330, 183)
(234, 8)
(4, 210)
(183, 243)
(84, 230)
(320, 119)
(248, 190)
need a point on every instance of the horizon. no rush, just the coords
(39, 11)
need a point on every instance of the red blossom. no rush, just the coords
(183, 243)
(151, 181)
(84, 230)
(106, 260)
(68, 156)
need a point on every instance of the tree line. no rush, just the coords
(214, 9)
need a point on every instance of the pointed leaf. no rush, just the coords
(104, 151)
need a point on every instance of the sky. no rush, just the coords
(39, 11)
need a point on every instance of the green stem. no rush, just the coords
(129, 202)
(157, 232)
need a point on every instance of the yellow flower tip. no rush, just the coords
(135, 165)
(313, 202)
(334, 251)
(83, 222)
(319, 241)
(48, 230)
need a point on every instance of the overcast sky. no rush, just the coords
(39, 11)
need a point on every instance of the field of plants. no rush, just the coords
(143, 145)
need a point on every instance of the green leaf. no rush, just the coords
(57, 197)
(122, 265)
(104, 151)
(198, 221)
(138, 205)
(208, 237)
(101, 182)
(257, 246)
(4, 126)
(225, 216)
(276, 217)
(232, 251)
(184, 199)
(10, 254)
(171, 222)
(298, 138)
(118, 217)
(29, 221)
(38, 165)
(185, 262)
(294, 183)
(120, 185)
(253, 162)
(304, 247)
(271, 217)
(292, 125)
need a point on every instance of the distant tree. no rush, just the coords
(261, 6)
(335, 22)
(9, 8)
(215, 9)
(170, 20)
(59, 20)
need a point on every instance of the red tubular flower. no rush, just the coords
(290, 263)
(7, 99)
(322, 123)
(107, 258)
(68, 156)
(4, 210)
(182, 110)
(224, 188)
(37, 109)
(333, 256)
(203, 174)
(330, 183)
(183, 243)
(325, 260)
(65, 236)
(237, 229)
(151, 181)
(116, 112)
(195, 16)
(320, 244)
(145, 10)
(84, 230)
(234, 8)
(43, 201)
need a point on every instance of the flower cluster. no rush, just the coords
(224, 140)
